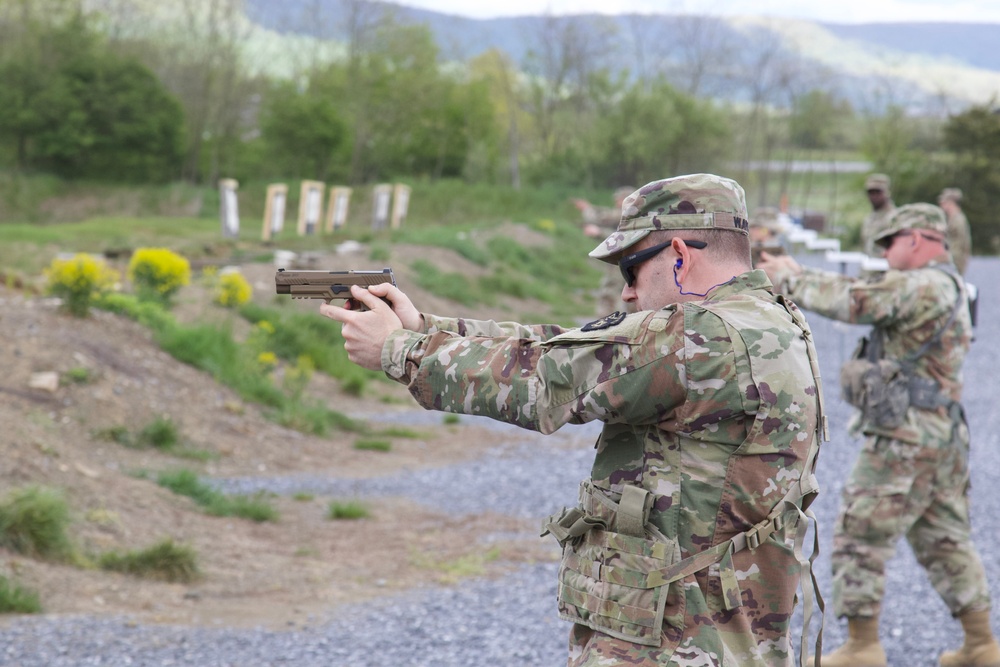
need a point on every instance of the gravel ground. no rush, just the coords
(512, 621)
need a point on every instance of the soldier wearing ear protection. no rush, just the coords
(686, 545)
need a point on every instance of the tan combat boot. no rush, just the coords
(862, 648)
(980, 648)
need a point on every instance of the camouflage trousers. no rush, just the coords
(899, 488)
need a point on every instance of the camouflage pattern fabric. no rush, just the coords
(695, 201)
(873, 225)
(712, 407)
(911, 480)
(959, 240)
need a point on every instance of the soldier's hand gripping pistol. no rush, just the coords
(329, 285)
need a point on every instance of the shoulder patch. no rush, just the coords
(605, 322)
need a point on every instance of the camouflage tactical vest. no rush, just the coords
(676, 515)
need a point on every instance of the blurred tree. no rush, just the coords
(818, 120)
(303, 131)
(656, 130)
(72, 107)
(974, 136)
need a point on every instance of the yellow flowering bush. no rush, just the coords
(232, 290)
(158, 273)
(79, 281)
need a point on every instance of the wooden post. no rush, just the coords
(310, 207)
(381, 197)
(274, 210)
(229, 213)
(400, 204)
(336, 210)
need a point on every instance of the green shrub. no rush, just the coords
(158, 273)
(33, 522)
(164, 561)
(350, 510)
(161, 433)
(450, 419)
(17, 600)
(232, 290)
(79, 282)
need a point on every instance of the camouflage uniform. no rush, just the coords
(913, 479)
(686, 546)
(875, 222)
(959, 234)
(766, 233)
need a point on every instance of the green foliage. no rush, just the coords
(449, 419)
(654, 131)
(79, 375)
(373, 445)
(303, 335)
(232, 290)
(161, 433)
(79, 282)
(158, 273)
(164, 561)
(186, 483)
(34, 521)
(15, 599)
(302, 130)
(974, 136)
(240, 366)
(348, 510)
(819, 120)
(73, 107)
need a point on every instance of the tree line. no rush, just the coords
(107, 91)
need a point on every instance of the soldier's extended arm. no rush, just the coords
(328, 285)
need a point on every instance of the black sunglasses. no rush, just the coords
(628, 263)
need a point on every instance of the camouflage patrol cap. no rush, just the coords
(878, 182)
(952, 194)
(766, 217)
(913, 216)
(695, 201)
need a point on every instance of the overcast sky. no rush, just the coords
(843, 11)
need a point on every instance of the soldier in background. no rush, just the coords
(686, 546)
(599, 221)
(877, 186)
(766, 233)
(912, 475)
(959, 235)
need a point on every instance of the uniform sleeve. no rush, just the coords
(629, 375)
(850, 299)
(489, 328)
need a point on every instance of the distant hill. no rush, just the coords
(922, 63)
(973, 44)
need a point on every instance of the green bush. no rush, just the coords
(17, 600)
(164, 561)
(79, 282)
(161, 433)
(350, 510)
(158, 273)
(232, 290)
(33, 522)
